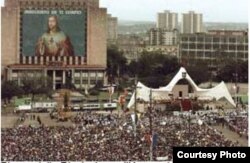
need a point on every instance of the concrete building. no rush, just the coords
(167, 20)
(192, 23)
(130, 46)
(83, 70)
(112, 26)
(160, 36)
(214, 44)
(170, 50)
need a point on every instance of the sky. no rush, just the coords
(146, 10)
(213, 10)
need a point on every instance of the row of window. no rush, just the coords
(209, 46)
(213, 55)
(216, 39)
(85, 82)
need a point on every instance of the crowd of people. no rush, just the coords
(99, 137)
(235, 120)
(238, 123)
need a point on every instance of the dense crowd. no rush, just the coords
(98, 137)
(239, 124)
(235, 120)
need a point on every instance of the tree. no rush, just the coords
(37, 84)
(116, 63)
(66, 99)
(228, 72)
(199, 72)
(10, 89)
(154, 68)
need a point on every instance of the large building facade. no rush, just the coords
(167, 20)
(59, 39)
(214, 44)
(112, 27)
(192, 23)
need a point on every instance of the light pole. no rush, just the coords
(236, 72)
(150, 125)
(135, 107)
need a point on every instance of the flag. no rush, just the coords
(155, 139)
(147, 138)
(134, 118)
(111, 90)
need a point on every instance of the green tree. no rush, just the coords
(66, 99)
(10, 89)
(199, 72)
(116, 63)
(228, 72)
(37, 84)
(154, 68)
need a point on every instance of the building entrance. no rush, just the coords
(58, 78)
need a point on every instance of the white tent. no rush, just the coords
(218, 92)
(143, 93)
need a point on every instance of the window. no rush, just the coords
(208, 54)
(232, 47)
(232, 40)
(216, 46)
(85, 81)
(77, 81)
(184, 39)
(208, 46)
(224, 47)
(192, 46)
(240, 47)
(208, 39)
(200, 46)
(180, 93)
(192, 39)
(216, 39)
(92, 82)
(200, 39)
(184, 46)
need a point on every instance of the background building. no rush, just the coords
(160, 36)
(192, 23)
(167, 20)
(131, 46)
(214, 44)
(112, 25)
(85, 26)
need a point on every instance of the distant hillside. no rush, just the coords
(226, 26)
(131, 22)
(134, 27)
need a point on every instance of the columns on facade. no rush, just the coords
(45, 76)
(54, 79)
(64, 77)
(73, 76)
(81, 79)
(9, 74)
(88, 79)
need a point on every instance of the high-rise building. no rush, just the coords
(167, 20)
(112, 25)
(192, 23)
(63, 40)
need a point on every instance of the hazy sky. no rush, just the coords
(213, 10)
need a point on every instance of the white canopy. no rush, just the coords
(218, 92)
